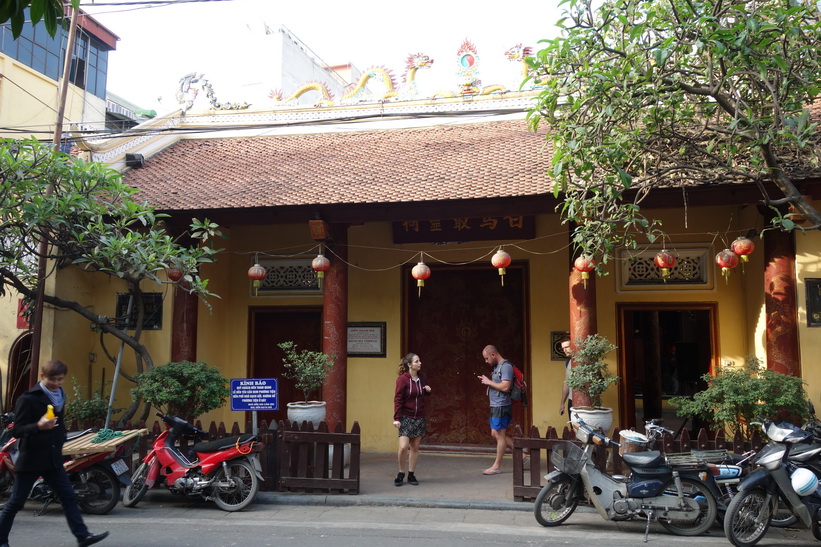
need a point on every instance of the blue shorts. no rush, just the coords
(500, 417)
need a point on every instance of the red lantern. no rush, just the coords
(501, 260)
(743, 247)
(420, 272)
(666, 261)
(174, 274)
(727, 260)
(320, 265)
(584, 264)
(256, 273)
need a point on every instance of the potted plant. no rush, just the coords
(308, 369)
(589, 378)
(737, 396)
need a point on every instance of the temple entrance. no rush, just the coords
(664, 350)
(460, 311)
(269, 327)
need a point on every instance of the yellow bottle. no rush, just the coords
(50, 412)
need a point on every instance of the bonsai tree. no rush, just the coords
(589, 374)
(307, 368)
(182, 388)
(737, 396)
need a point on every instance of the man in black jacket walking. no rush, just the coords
(41, 453)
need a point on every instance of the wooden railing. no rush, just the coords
(293, 457)
(528, 482)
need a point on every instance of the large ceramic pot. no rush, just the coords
(597, 418)
(307, 411)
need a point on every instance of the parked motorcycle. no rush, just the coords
(676, 496)
(96, 477)
(778, 477)
(226, 470)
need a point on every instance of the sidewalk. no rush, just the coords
(450, 481)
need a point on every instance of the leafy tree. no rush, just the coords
(641, 94)
(50, 11)
(183, 388)
(84, 216)
(737, 396)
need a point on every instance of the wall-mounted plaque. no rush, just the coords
(813, 302)
(153, 310)
(366, 339)
(556, 351)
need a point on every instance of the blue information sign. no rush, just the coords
(254, 394)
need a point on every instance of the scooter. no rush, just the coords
(96, 477)
(226, 471)
(778, 477)
(675, 495)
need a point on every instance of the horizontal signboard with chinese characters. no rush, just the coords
(443, 230)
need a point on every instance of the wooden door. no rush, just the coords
(460, 311)
(269, 327)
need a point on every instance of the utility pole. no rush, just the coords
(42, 263)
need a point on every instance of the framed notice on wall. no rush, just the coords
(366, 339)
(813, 302)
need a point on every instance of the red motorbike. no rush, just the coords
(226, 470)
(96, 477)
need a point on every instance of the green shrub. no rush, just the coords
(84, 409)
(183, 388)
(737, 396)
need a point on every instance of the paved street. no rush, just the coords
(164, 520)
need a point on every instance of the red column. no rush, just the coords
(335, 328)
(184, 326)
(582, 314)
(780, 302)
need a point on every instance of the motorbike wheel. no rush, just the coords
(783, 517)
(135, 491)
(6, 483)
(98, 490)
(243, 488)
(692, 489)
(748, 518)
(555, 504)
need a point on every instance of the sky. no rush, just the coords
(160, 44)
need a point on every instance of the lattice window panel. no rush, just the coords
(692, 270)
(288, 275)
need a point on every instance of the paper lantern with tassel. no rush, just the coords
(743, 247)
(257, 273)
(501, 260)
(584, 264)
(174, 274)
(420, 272)
(727, 260)
(320, 265)
(666, 261)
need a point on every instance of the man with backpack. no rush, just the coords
(501, 406)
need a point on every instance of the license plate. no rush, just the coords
(119, 467)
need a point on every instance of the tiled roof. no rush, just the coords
(443, 162)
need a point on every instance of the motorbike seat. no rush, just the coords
(222, 444)
(643, 459)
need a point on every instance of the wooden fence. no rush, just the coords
(293, 457)
(528, 482)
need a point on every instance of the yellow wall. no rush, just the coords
(808, 265)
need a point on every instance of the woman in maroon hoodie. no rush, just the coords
(409, 415)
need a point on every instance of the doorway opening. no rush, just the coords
(17, 380)
(664, 350)
(460, 311)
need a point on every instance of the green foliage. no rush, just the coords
(87, 409)
(183, 388)
(50, 11)
(307, 368)
(737, 396)
(639, 95)
(589, 374)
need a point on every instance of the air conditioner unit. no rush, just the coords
(134, 160)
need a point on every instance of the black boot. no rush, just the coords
(412, 479)
(400, 477)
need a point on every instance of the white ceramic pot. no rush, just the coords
(307, 411)
(597, 418)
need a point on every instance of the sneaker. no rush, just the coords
(412, 479)
(91, 539)
(400, 478)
